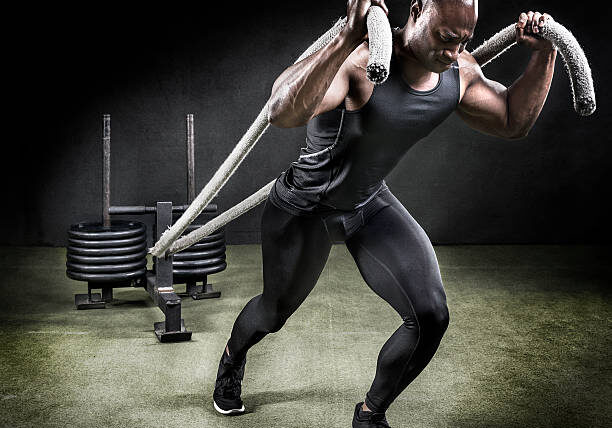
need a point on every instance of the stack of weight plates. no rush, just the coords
(115, 254)
(201, 259)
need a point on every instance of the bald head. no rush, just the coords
(437, 31)
(466, 3)
(426, 7)
(430, 5)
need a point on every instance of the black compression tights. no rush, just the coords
(396, 260)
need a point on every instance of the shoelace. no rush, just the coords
(231, 387)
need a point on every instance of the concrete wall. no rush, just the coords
(148, 68)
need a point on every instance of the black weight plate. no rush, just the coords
(119, 277)
(195, 264)
(123, 267)
(204, 246)
(119, 229)
(101, 252)
(195, 255)
(209, 270)
(107, 243)
(122, 258)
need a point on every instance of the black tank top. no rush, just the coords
(349, 153)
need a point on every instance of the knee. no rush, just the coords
(442, 318)
(435, 318)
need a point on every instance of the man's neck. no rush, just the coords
(413, 72)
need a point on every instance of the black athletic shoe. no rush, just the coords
(363, 419)
(228, 386)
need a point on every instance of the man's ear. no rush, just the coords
(416, 9)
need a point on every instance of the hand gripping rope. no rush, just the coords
(380, 44)
(576, 64)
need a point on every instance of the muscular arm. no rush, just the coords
(491, 108)
(317, 83)
(321, 82)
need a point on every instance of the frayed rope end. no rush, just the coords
(156, 250)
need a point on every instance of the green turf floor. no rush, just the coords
(529, 345)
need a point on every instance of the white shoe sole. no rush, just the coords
(228, 412)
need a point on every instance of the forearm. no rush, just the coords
(528, 93)
(299, 90)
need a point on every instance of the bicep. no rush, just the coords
(337, 91)
(484, 105)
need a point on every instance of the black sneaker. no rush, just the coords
(228, 386)
(363, 419)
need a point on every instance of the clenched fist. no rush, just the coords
(528, 28)
(356, 28)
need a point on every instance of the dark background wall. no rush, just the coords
(148, 67)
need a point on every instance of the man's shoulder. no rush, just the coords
(468, 67)
(467, 62)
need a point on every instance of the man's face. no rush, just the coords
(441, 33)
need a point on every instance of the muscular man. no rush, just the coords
(356, 134)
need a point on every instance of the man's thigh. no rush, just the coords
(396, 259)
(294, 251)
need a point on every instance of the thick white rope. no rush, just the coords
(380, 42)
(256, 130)
(576, 65)
(221, 220)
